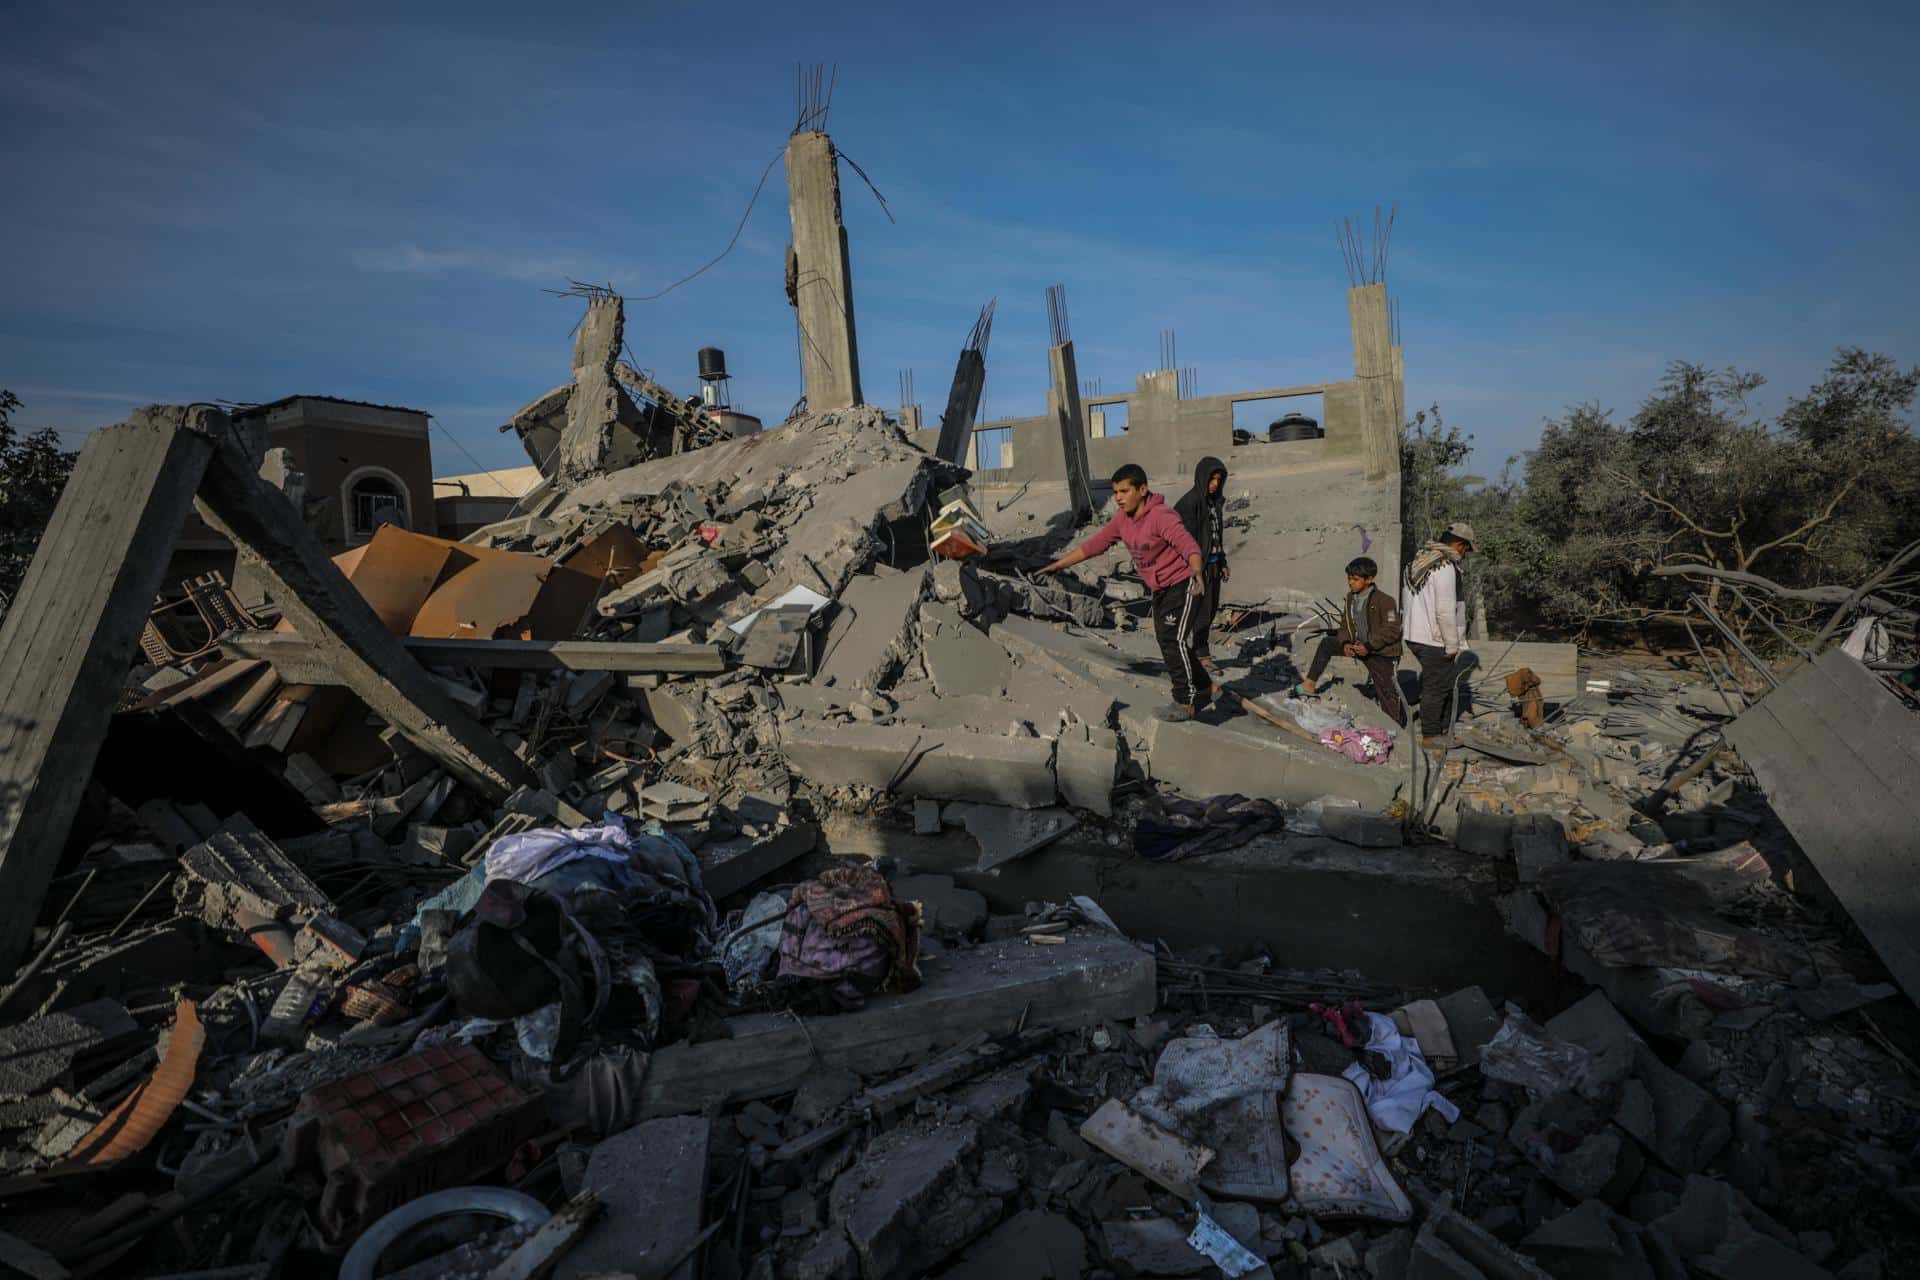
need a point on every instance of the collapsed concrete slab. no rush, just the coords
(1238, 756)
(652, 1181)
(1090, 978)
(1197, 758)
(959, 658)
(1804, 742)
(916, 762)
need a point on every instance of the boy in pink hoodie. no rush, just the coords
(1169, 562)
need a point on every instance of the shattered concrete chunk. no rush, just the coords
(1087, 764)
(867, 639)
(960, 658)
(1004, 834)
(910, 1203)
(238, 869)
(39, 1051)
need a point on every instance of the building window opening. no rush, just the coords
(993, 448)
(376, 500)
(1279, 420)
(1105, 420)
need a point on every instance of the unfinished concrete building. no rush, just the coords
(1317, 502)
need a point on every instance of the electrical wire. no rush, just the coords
(740, 227)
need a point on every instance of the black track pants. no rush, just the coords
(1177, 617)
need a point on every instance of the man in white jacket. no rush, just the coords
(1432, 629)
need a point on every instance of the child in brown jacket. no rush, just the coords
(1369, 631)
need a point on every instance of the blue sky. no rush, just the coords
(223, 202)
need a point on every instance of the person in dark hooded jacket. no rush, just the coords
(1204, 512)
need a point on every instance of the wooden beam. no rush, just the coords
(69, 640)
(319, 601)
(300, 662)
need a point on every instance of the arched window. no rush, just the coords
(371, 497)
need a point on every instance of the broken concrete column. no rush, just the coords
(594, 408)
(70, 636)
(963, 398)
(821, 281)
(1072, 424)
(1373, 366)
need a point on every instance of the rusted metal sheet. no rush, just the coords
(614, 558)
(131, 1125)
(488, 595)
(395, 573)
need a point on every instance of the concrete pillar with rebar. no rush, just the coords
(1374, 363)
(822, 274)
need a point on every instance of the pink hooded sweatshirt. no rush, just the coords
(1159, 542)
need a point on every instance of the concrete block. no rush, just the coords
(732, 865)
(944, 906)
(37, 1052)
(944, 766)
(679, 710)
(1004, 834)
(1689, 1127)
(1488, 834)
(1001, 1096)
(1086, 768)
(1358, 827)
(1539, 842)
(1471, 1021)
(239, 869)
(926, 817)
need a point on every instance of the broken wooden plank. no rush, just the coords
(253, 697)
(541, 1252)
(323, 606)
(300, 662)
(69, 639)
(204, 683)
(1094, 977)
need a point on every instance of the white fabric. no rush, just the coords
(1867, 642)
(1396, 1102)
(1431, 610)
(530, 855)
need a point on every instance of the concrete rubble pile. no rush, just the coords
(720, 869)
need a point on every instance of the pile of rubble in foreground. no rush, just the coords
(730, 982)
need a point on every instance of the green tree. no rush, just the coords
(33, 470)
(1696, 480)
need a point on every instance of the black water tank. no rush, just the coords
(713, 364)
(1295, 426)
